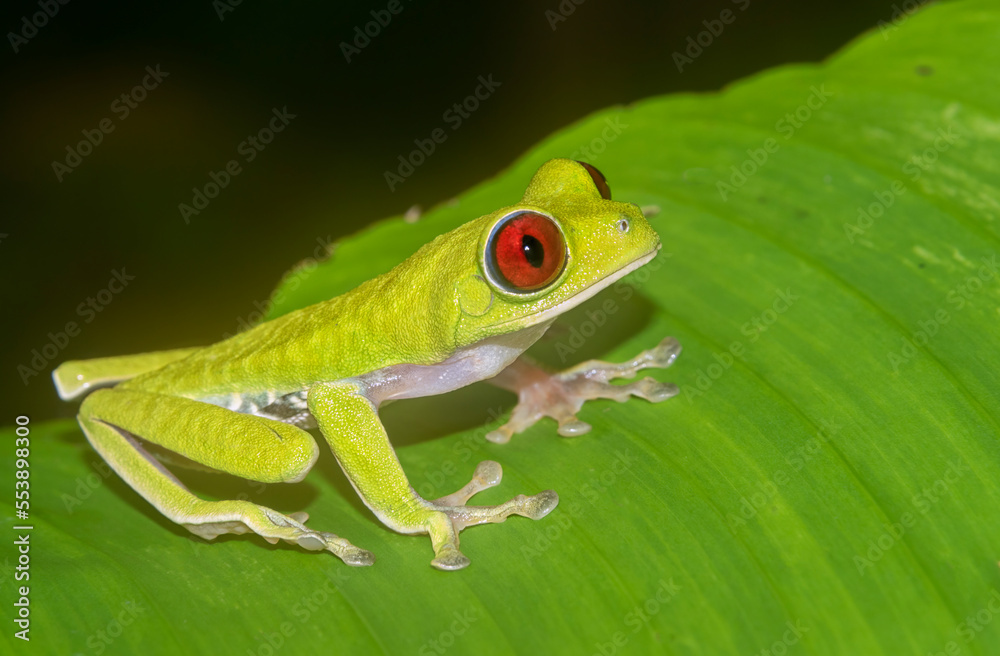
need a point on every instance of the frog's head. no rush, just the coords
(562, 244)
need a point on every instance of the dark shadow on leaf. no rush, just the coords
(595, 327)
(588, 331)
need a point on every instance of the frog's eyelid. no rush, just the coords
(598, 179)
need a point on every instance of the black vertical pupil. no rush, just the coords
(533, 250)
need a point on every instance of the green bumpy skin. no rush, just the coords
(446, 317)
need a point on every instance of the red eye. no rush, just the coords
(526, 252)
(599, 180)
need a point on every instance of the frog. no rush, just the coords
(463, 308)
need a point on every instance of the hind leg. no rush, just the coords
(251, 447)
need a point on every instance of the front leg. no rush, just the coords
(542, 393)
(349, 422)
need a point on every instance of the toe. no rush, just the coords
(663, 391)
(571, 427)
(449, 559)
(666, 352)
(358, 558)
(655, 391)
(488, 474)
(500, 436)
(311, 541)
(541, 504)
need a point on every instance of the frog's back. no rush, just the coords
(376, 325)
(406, 316)
(279, 355)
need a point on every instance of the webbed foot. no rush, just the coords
(561, 395)
(274, 526)
(451, 514)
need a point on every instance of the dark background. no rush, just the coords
(323, 176)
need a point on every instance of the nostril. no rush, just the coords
(623, 225)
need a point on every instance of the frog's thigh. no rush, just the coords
(250, 447)
(258, 448)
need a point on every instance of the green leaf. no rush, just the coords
(825, 482)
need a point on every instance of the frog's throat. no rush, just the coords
(571, 302)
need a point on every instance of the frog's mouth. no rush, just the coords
(593, 290)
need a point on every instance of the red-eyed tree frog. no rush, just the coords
(462, 309)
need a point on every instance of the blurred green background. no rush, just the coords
(323, 176)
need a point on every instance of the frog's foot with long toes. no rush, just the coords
(274, 526)
(542, 393)
(451, 515)
(350, 424)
